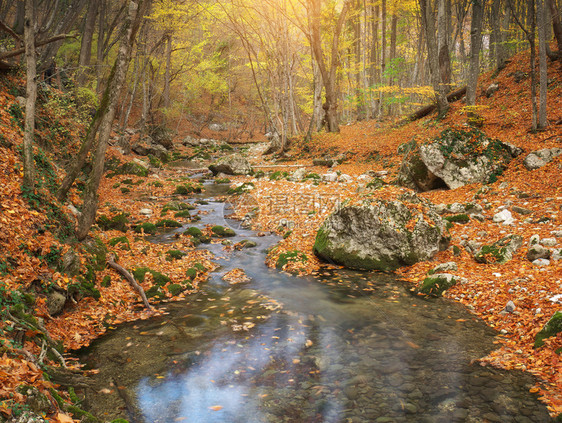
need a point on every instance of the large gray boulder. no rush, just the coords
(233, 164)
(147, 146)
(454, 159)
(540, 158)
(383, 235)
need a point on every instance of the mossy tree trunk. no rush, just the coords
(106, 114)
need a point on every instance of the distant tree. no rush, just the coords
(428, 24)
(475, 46)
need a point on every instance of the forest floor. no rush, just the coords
(33, 241)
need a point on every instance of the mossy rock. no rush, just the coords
(168, 223)
(176, 206)
(241, 189)
(222, 231)
(159, 279)
(175, 255)
(222, 181)
(175, 289)
(122, 241)
(458, 218)
(191, 273)
(552, 327)
(205, 239)
(118, 222)
(186, 189)
(436, 284)
(248, 244)
(130, 168)
(200, 267)
(376, 183)
(500, 251)
(154, 291)
(194, 232)
(183, 213)
(97, 252)
(147, 228)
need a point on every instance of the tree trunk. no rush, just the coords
(31, 94)
(475, 45)
(443, 45)
(328, 72)
(543, 77)
(86, 45)
(428, 24)
(168, 71)
(556, 25)
(114, 84)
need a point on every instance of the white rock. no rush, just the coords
(330, 177)
(345, 178)
(549, 242)
(504, 217)
(145, 212)
(535, 239)
(541, 262)
(510, 307)
(556, 299)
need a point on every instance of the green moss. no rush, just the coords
(175, 288)
(140, 272)
(275, 176)
(122, 241)
(130, 168)
(376, 183)
(183, 213)
(195, 241)
(146, 227)
(436, 285)
(186, 189)
(160, 279)
(200, 267)
(552, 327)
(222, 231)
(457, 218)
(168, 223)
(154, 291)
(194, 232)
(191, 273)
(222, 181)
(175, 255)
(290, 256)
(118, 222)
(106, 282)
(177, 206)
(245, 187)
(313, 176)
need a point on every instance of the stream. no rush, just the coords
(343, 347)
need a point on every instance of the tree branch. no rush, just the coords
(121, 270)
(9, 30)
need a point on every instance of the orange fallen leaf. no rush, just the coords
(64, 418)
(216, 407)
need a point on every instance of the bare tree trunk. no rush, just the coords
(114, 84)
(543, 77)
(101, 38)
(443, 45)
(168, 71)
(86, 45)
(328, 72)
(31, 94)
(428, 24)
(556, 25)
(475, 45)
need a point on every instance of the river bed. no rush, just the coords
(342, 347)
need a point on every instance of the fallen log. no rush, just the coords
(121, 270)
(426, 110)
(19, 51)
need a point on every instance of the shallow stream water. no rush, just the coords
(349, 347)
